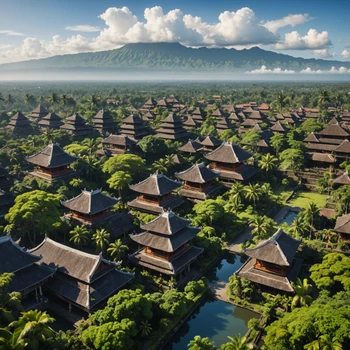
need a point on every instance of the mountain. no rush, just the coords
(174, 56)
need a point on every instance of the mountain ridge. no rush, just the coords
(174, 56)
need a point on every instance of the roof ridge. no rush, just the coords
(8, 238)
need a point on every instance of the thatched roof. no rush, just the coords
(211, 141)
(19, 120)
(278, 127)
(344, 147)
(119, 140)
(90, 202)
(320, 157)
(229, 153)
(52, 156)
(198, 173)
(191, 147)
(334, 130)
(51, 119)
(133, 119)
(39, 111)
(342, 224)
(342, 179)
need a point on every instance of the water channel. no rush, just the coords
(215, 319)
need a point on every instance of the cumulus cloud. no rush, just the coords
(10, 32)
(345, 54)
(312, 40)
(290, 20)
(323, 53)
(83, 28)
(239, 28)
(333, 70)
(265, 70)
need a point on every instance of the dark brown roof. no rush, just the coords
(132, 119)
(334, 130)
(198, 173)
(151, 102)
(321, 147)
(39, 111)
(343, 179)
(52, 156)
(211, 141)
(256, 115)
(320, 157)
(51, 119)
(190, 122)
(229, 153)
(90, 202)
(19, 119)
(280, 249)
(312, 138)
(156, 185)
(172, 118)
(166, 223)
(344, 147)
(342, 224)
(278, 127)
(120, 140)
(191, 147)
(178, 159)
(334, 120)
(75, 119)
(218, 113)
(198, 112)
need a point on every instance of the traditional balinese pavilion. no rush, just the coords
(52, 163)
(148, 116)
(219, 113)
(229, 160)
(76, 125)
(39, 112)
(116, 144)
(29, 272)
(190, 123)
(103, 122)
(272, 263)
(83, 280)
(165, 245)
(155, 194)
(5, 181)
(210, 143)
(223, 124)
(342, 227)
(343, 179)
(191, 147)
(50, 121)
(149, 105)
(172, 128)
(198, 115)
(199, 182)
(20, 125)
(134, 127)
(7, 200)
(278, 128)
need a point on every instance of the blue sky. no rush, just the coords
(41, 28)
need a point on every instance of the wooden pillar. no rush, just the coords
(40, 291)
(36, 295)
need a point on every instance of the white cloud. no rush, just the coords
(83, 28)
(323, 53)
(5, 46)
(333, 70)
(345, 54)
(312, 40)
(265, 70)
(290, 20)
(11, 32)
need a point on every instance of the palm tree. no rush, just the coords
(268, 163)
(117, 250)
(119, 180)
(323, 98)
(101, 238)
(48, 136)
(32, 329)
(237, 192)
(29, 99)
(302, 291)
(93, 99)
(252, 193)
(281, 101)
(324, 342)
(170, 160)
(90, 166)
(1, 97)
(238, 343)
(259, 226)
(79, 236)
(91, 144)
(53, 98)
(160, 166)
(145, 329)
(10, 100)
(311, 211)
(298, 227)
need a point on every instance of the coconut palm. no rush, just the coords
(252, 193)
(93, 100)
(268, 162)
(101, 238)
(281, 101)
(79, 236)
(32, 329)
(48, 136)
(324, 97)
(311, 213)
(237, 192)
(170, 160)
(238, 343)
(324, 342)
(90, 166)
(117, 250)
(298, 227)
(53, 98)
(29, 99)
(302, 291)
(10, 100)
(145, 329)
(160, 166)
(91, 144)
(260, 226)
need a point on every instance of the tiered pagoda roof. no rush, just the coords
(210, 142)
(52, 156)
(190, 123)
(168, 234)
(277, 251)
(115, 144)
(334, 130)
(172, 128)
(20, 125)
(198, 114)
(278, 127)
(223, 124)
(149, 104)
(218, 113)
(198, 173)
(103, 122)
(76, 126)
(134, 126)
(39, 112)
(191, 147)
(342, 179)
(342, 226)
(229, 152)
(51, 121)
(148, 116)
(83, 279)
(28, 270)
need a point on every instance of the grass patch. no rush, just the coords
(302, 199)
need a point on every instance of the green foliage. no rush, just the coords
(153, 145)
(311, 125)
(117, 250)
(119, 181)
(208, 212)
(333, 273)
(129, 163)
(292, 159)
(302, 293)
(79, 236)
(199, 343)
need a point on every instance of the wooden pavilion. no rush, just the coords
(103, 123)
(172, 128)
(76, 126)
(134, 127)
(50, 121)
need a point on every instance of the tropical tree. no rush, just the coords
(10, 100)
(237, 192)
(302, 291)
(312, 211)
(91, 144)
(145, 329)
(281, 101)
(261, 226)
(94, 100)
(130, 163)
(48, 136)
(324, 342)
(323, 98)
(101, 238)
(278, 142)
(252, 193)
(79, 236)
(298, 227)
(268, 163)
(237, 343)
(160, 166)
(292, 158)
(117, 250)
(29, 99)
(119, 180)
(199, 343)
(53, 98)
(32, 329)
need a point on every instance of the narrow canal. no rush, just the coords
(215, 319)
